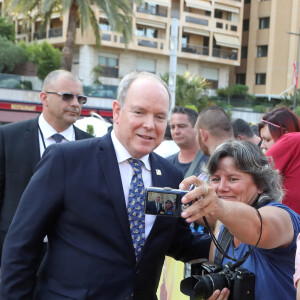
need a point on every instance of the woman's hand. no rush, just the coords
(205, 201)
(220, 295)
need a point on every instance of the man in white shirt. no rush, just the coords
(22, 144)
(88, 198)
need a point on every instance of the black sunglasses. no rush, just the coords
(68, 97)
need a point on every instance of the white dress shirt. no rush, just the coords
(126, 172)
(46, 131)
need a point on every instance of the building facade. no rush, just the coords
(209, 40)
(270, 45)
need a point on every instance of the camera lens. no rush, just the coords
(207, 284)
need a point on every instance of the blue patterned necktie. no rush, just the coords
(135, 207)
(57, 137)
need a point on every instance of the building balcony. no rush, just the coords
(39, 35)
(112, 39)
(141, 43)
(196, 19)
(224, 53)
(161, 11)
(55, 32)
(196, 49)
(51, 33)
(224, 25)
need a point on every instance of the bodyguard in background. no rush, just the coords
(88, 198)
(22, 143)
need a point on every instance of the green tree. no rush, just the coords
(118, 12)
(45, 56)
(48, 60)
(288, 99)
(190, 90)
(7, 29)
(11, 54)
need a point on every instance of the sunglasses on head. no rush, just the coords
(68, 97)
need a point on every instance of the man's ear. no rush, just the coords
(44, 98)
(204, 134)
(116, 111)
(240, 137)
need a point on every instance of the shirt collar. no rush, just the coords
(48, 130)
(124, 155)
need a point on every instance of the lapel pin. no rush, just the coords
(158, 172)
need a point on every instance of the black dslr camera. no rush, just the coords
(238, 280)
(164, 201)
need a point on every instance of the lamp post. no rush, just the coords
(297, 66)
(173, 61)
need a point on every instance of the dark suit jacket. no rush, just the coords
(19, 155)
(76, 198)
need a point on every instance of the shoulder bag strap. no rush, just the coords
(224, 242)
(193, 165)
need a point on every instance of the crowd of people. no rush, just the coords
(72, 213)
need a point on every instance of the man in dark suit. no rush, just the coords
(82, 197)
(23, 143)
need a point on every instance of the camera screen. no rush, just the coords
(162, 204)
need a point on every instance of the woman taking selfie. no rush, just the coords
(244, 194)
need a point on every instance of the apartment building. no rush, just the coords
(269, 48)
(209, 42)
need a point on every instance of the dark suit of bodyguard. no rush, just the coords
(20, 149)
(78, 198)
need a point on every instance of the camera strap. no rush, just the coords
(225, 240)
(194, 164)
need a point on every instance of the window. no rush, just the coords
(244, 52)
(104, 25)
(181, 69)
(262, 51)
(146, 32)
(260, 78)
(146, 64)
(218, 14)
(109, 66)
(106, 91)
(246, 25)
(212, 77)
(264, 23)
(149, 8)
(247, 1)
(185, 40)
(240, 78)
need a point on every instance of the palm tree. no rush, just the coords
(118, 12)
(190, 90)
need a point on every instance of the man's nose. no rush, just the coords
(149, 121)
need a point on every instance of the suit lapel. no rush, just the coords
(31, 142)
(109, 166)
(79, 134)
(157, 172)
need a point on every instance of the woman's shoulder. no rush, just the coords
(294, 216)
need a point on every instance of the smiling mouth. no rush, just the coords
(146, 137)
(226, 197)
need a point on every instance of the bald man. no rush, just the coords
(22, 144)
